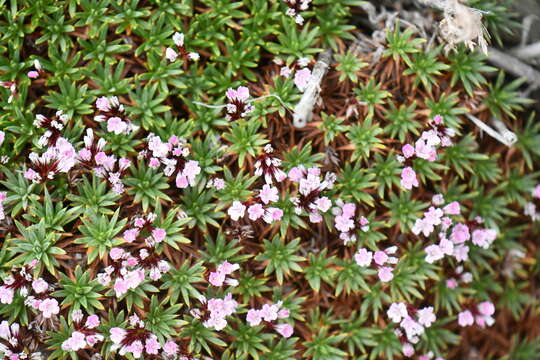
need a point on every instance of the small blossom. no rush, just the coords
(237, 210)
(465, 318)
(284, 330)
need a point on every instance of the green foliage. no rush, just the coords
(279, 257)
(100, 234)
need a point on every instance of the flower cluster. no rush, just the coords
(269, 313)
(13, 343)
(92, 157)
(219, 277)
(424, 148)
(302, 76)
(345, 215)
(128, 270)
(452, 236)
(269, 166)
(173, 156)
(310, 187)
(380, 259)
(213, 312)
(135, 340)
(530, 207)
(84, 334)
(53, 127)
(237, 103)
(59, 158)
(481, 314)
(34, 74)
(172, 55)
(295, 7)
(111, 111)
(36, 293)
(412, 321)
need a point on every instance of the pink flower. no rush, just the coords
(348, 210)
(422, 226)
(344, 224)
(433, 216)
(301, 79)
(283, 313)
(446, 246)
(103, 104)
(92, 321)
(116, 253)
(152, 346)
(452, 208)
(170, 348)
(33, 74)
(285, 71)
(408, 150)
(407, 349)
(254, 317)
(434, 253)
(438, 199)
(323, 204)
(397, 311)
(131, 235)
(116, 125)
(216, 278)
(425, 151)
(269, 312)
(465, 318)
(181, 181)
(426, 316)
(159, 234)
(295, 174)
(363, 257)
(117, 335)
(268, 194)
(49, 307)
(451, 283)
(461, 252)
(2, 137)
(483, 237)
(227, 268)
(380, 257)
(171, 55)
(460, 234)
(486, 308)
(219, 184)
(385, 274)
(6, 295)
(120, 287)
(408, 178)
(255, 211)
(273, 214)
(40, 285)
(284, 330)
(438, 119)
(536, 190)
(236, 211)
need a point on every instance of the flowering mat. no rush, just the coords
(326, 179)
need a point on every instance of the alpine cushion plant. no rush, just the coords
(157, 201)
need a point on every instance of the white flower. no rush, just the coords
(236, 211)
(397, 311)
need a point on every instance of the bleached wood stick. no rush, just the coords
(303, 111)
(508, 138)
(514, 66)
(528, 52)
